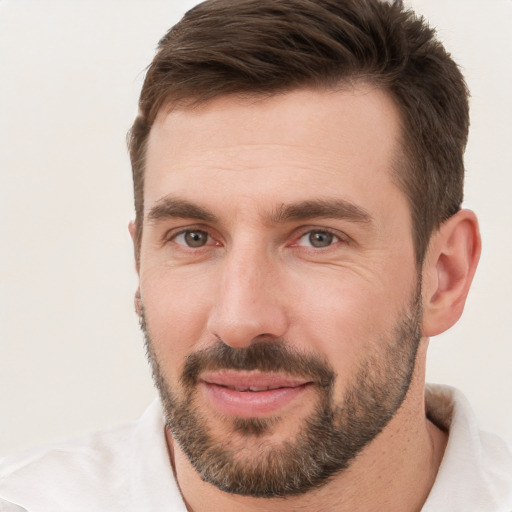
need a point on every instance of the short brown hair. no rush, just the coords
(224, 47)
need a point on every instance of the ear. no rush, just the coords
(132, 228)
(448, 271)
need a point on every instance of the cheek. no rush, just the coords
(346, 320)
(338, 322)
(176, 307)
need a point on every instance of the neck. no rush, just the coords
(395, 472)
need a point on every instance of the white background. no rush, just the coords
(71, 355)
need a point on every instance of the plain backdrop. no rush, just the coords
(71, 354)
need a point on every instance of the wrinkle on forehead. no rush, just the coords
(287, 148)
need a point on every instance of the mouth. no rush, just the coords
(251, 394)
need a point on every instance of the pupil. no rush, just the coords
(195, 238)
(320, 239)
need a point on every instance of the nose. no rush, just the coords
(249, 302)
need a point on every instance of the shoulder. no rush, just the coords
(67, 471)
(80, 454)
(124, 469)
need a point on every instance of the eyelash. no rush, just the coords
(341, 237)
(172, 235)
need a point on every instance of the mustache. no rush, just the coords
(268, 356)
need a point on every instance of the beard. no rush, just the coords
(243, 461)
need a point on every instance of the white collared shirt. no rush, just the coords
(475, 474)
(127, 469)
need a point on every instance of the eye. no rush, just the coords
(193, 238)
(318, 239)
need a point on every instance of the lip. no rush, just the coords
(250, 394)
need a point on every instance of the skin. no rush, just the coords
(258, 276)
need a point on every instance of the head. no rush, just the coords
(292, 161)
(270, 47)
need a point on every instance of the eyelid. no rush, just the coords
(173, 233)
(303, 231)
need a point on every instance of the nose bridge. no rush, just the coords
(246, 264)
(247, 303)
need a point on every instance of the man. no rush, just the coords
(298, 170)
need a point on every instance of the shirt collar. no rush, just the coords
(476, 471)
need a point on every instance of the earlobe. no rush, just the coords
(132, 228)
(448, 271)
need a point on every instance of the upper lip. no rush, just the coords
(252, 381)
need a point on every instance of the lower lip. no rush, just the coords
(251, 404)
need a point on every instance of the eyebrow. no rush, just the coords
(171, 207)
(322, 208)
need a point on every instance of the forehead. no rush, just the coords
(282, 148)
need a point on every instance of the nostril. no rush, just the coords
(244, 312)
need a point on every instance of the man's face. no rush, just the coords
(278, 284)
